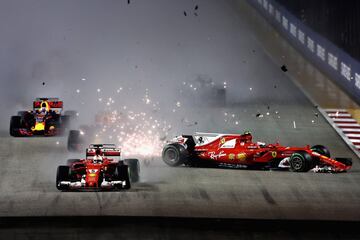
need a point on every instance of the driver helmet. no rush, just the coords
(43, 107)
(97, 158)
(247, 136)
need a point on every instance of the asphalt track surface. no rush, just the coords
(27, 181)
(28, 167)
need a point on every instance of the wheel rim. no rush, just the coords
(297, 163)
(170, 156)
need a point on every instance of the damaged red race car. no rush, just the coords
(239, 151)
(102, 169)
(45, 119)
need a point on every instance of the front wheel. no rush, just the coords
(134, 169)
(300, 162)
(174, 155)
(15, 124)
(62, 174)
(123, 175)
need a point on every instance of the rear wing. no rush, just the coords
(53, 104)
(107, 150)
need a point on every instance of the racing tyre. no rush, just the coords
(321, 149)
(74, 141)
(15, 123)
(62, 174)
(70, 114)
(174, 155)
(300, 162)
(64, 123)
(134, 169)
(123, 175)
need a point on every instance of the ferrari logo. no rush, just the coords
(274, 154)
(231, 156)
(241, 156)
(222, 140)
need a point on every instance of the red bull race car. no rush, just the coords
(239, 151)
(102, 169)
(45, 119)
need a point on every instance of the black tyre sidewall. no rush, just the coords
(134, 169)
(123, 175)
(74, 139)
(15, 123)
(179, 159)
(62, 174)
(306, 161)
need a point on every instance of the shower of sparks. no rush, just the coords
(138, 134)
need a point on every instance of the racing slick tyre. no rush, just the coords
(71, 161)
(134, 169)
(174, 155)
(301, 162)
(62, 174)
(70, 114)
(15, 123)
(64, 123)
(74, 141)
(321, 149)
(123, 175)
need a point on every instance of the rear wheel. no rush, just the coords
(134, 169)
(70, 114)
(300, 162)
(64, 123)
(15, 124)
(62, 174)
(174, 155)
(123, 175)
(74, 141)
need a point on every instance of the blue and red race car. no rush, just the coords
(45, 119)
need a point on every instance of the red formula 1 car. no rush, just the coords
(45, 119)
(235, 150)
(102, 169)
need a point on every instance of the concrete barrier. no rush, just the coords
(335, 62)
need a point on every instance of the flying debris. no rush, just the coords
(196, 7)
(185, 14)
(259, 115)
(284, 68)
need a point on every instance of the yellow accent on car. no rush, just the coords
(241, 156)
(231, 156)
(274, 154)
(38, 127)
